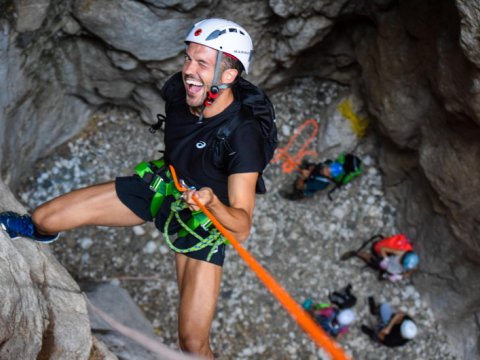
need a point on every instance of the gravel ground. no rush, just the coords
(298, 242)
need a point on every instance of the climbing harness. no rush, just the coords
(159, 179)
(302, 318)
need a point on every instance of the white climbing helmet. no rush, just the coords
(345, 317)
(223, 35)
(408, 329)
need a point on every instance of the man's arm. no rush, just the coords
(408, 273)
(236, 218)
(396, 319)
(386, 251)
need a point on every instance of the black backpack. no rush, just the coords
(343, 298)
(256, 105)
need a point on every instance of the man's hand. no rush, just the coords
(384, 263)
(205, 196)
(235, 217)
(395, 277)
(382, 333)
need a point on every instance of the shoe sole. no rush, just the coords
(2, 227)
(348, 255)
(46, 241)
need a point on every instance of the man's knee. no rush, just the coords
(365, 256)
(44, 220)
(194, 343)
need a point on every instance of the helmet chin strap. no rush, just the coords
(214, 91)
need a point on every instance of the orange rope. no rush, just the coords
(296, 311)
(291, 162)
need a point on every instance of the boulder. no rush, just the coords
(44, 313)
(117, 303)
(131, 27)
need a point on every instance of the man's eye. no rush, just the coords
(186, 58)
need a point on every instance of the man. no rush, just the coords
(334, 316)
(393, 256)
(333, 320)
(312, 178)
(395, 329)
(198, 102)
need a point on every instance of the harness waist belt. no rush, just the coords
(158, 178)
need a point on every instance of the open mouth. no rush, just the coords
(193, 86)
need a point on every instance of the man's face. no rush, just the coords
(197, 71)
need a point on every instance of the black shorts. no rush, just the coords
(137, 196)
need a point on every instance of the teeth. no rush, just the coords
(193, 82)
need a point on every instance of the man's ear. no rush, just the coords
(229, 76)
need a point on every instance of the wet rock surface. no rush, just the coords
(298, 242)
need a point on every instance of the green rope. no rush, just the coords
(215, 239)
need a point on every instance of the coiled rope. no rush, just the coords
(291, 162)
(214, 239)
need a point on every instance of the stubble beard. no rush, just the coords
(196, 105)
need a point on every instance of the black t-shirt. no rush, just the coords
(394, 338)
(189, 144)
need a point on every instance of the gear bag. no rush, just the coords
(352, 168)
(397, 242)
(343, 298)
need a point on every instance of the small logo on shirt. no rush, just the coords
(201, 144)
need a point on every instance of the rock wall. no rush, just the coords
(44, 314)
(421, 88)
(420, 81)
(415, 64)
(62, 59)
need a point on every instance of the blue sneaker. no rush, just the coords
(18, 226)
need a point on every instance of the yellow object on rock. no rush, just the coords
(359, 124)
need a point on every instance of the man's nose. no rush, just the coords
(189, 68)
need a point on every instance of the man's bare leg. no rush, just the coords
(365, 256)
(93, 205)
(199, 286)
